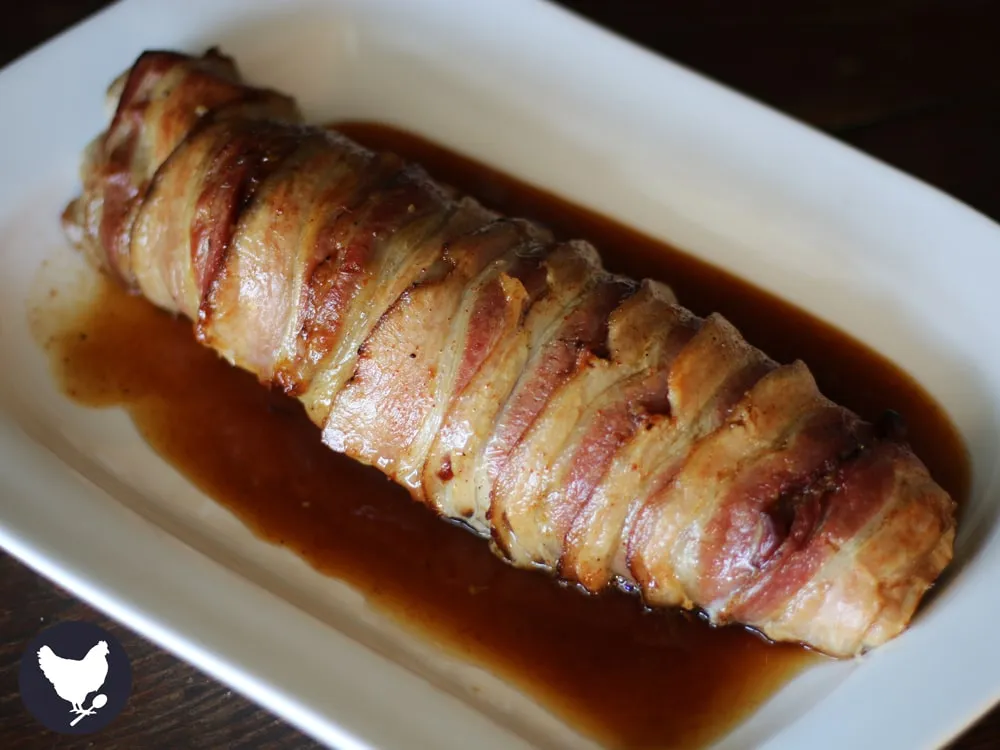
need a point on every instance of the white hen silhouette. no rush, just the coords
(75, 679)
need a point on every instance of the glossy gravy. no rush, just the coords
(624, 675)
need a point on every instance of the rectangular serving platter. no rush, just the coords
(543, 95)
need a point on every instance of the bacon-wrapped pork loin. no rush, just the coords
(584, 422)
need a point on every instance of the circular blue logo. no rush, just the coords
(75, 677)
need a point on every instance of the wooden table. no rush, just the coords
(913, 82)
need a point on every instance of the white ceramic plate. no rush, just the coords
(547, 97)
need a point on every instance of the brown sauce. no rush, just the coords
(626, 676)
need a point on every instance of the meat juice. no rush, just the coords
(625, 675)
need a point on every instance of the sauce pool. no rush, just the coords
(626, 676)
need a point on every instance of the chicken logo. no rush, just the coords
(75, 680)
(75, 677)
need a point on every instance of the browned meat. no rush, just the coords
(586, 423)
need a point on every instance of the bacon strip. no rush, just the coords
(586, 424)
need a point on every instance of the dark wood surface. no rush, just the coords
(913, 82)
